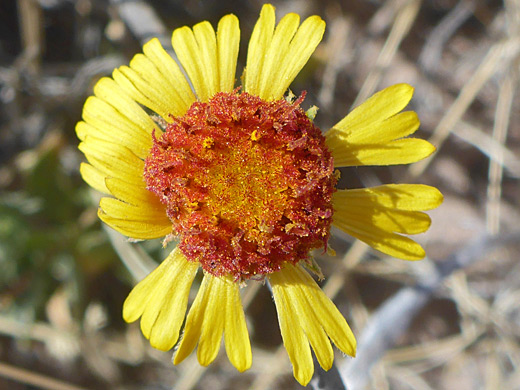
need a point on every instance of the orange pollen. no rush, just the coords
(247, 183)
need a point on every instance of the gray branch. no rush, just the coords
(393, 318)
(142, 20)
(430, 56)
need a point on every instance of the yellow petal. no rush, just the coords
(197, 52)
(207, 43)
(387, 242)
(302, 46)
(375, 215)
(113, 160)
(411, 197)
(228, 41)
(122, 210)
(213, 324)
(372, 133)
(150, 74)
(104, 122)
(165, 332)
(274, 65)
(395, 127)
(236, 336)
(139, 297)
(138, 229)
(142, 90)
(205, 322)
(161, 299)
(93, 177)
(134, 195)
(379, 107)
(329, 316)
(275, 57)
(294, 339)
(177, 84)
(216, 309)
(143, 222)
(130, 82)
(399, 221)
(257, 49)
(108, 90)
(306, 315)
(367, 210)
(402, 151)
(317, 336)
(141, 200)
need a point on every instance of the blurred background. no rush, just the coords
(451, 321)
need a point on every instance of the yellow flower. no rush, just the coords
(246, 181)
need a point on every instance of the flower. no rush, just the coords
(246, 181)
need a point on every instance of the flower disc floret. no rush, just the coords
(247, 183)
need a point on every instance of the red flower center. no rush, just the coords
(247, 183)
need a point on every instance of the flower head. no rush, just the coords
(245, 179)
(246, 183)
